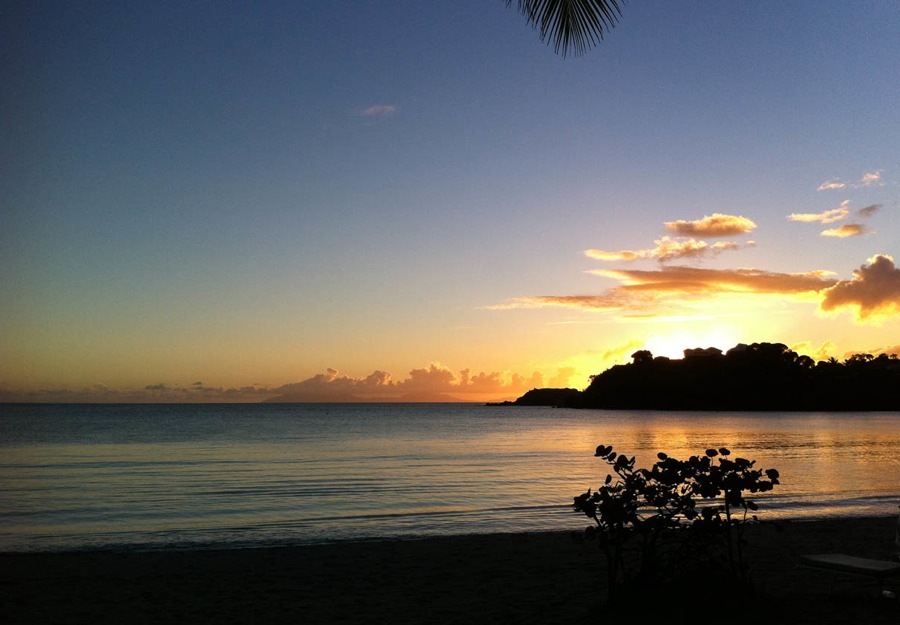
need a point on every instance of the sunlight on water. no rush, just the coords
(194, 476)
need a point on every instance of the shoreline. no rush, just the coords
(147, 548)
(533, 577)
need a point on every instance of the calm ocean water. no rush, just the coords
(203, 476)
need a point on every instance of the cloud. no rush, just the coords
(706, 281)
(562, 377)
(867, 211)
(823, 352)
(846, 230)
(647, 289)
(379, 110)
(837, 214)
(493, 382)
(715, 225)
(830, 185)
(611, 300)
(869, 179)
(874, 290)
(827, 217)
(432, 383)
(332, 386)
(435, 379)
(624, 255)
(668, 249)
(151, 393)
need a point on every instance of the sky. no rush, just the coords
(419, 200)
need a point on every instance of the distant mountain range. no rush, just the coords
(761, 376)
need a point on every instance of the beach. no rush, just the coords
(553, 577)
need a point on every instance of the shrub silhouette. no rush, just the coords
(666, 523)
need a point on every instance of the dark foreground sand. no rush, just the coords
(514, 578)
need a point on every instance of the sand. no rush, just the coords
(509, 578)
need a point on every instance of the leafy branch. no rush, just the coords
(701, 500)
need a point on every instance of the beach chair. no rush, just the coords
(842, 563)
(883, 571)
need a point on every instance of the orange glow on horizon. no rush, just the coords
(672, 345)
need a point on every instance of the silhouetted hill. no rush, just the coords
(761, 376)
(544, 397)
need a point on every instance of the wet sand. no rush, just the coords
(509, 578)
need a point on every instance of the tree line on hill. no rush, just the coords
(761, 376)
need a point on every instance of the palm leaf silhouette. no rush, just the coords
(571, 25)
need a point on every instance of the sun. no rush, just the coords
(673, 344)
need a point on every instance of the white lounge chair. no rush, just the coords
(843, 563)
(883, 570)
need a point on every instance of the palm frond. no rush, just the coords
(575, 25)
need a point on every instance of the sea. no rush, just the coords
(188, 476)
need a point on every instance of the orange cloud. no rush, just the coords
(874, 290)
(715, 225)
(433, 383)
(695, 280)
(331, 385)
(562, 377)
(667, 249)
(823, 352)
(846, 230)
(611, 300)
(647, 289)
(826, 217)
(626, 255)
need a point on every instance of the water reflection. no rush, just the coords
(302, 473)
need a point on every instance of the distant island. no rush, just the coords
(761, 376)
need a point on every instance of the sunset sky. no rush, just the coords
(414, 199)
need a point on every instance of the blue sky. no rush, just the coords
(252, 194)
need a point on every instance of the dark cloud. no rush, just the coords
(867, 211)
(874, 290)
